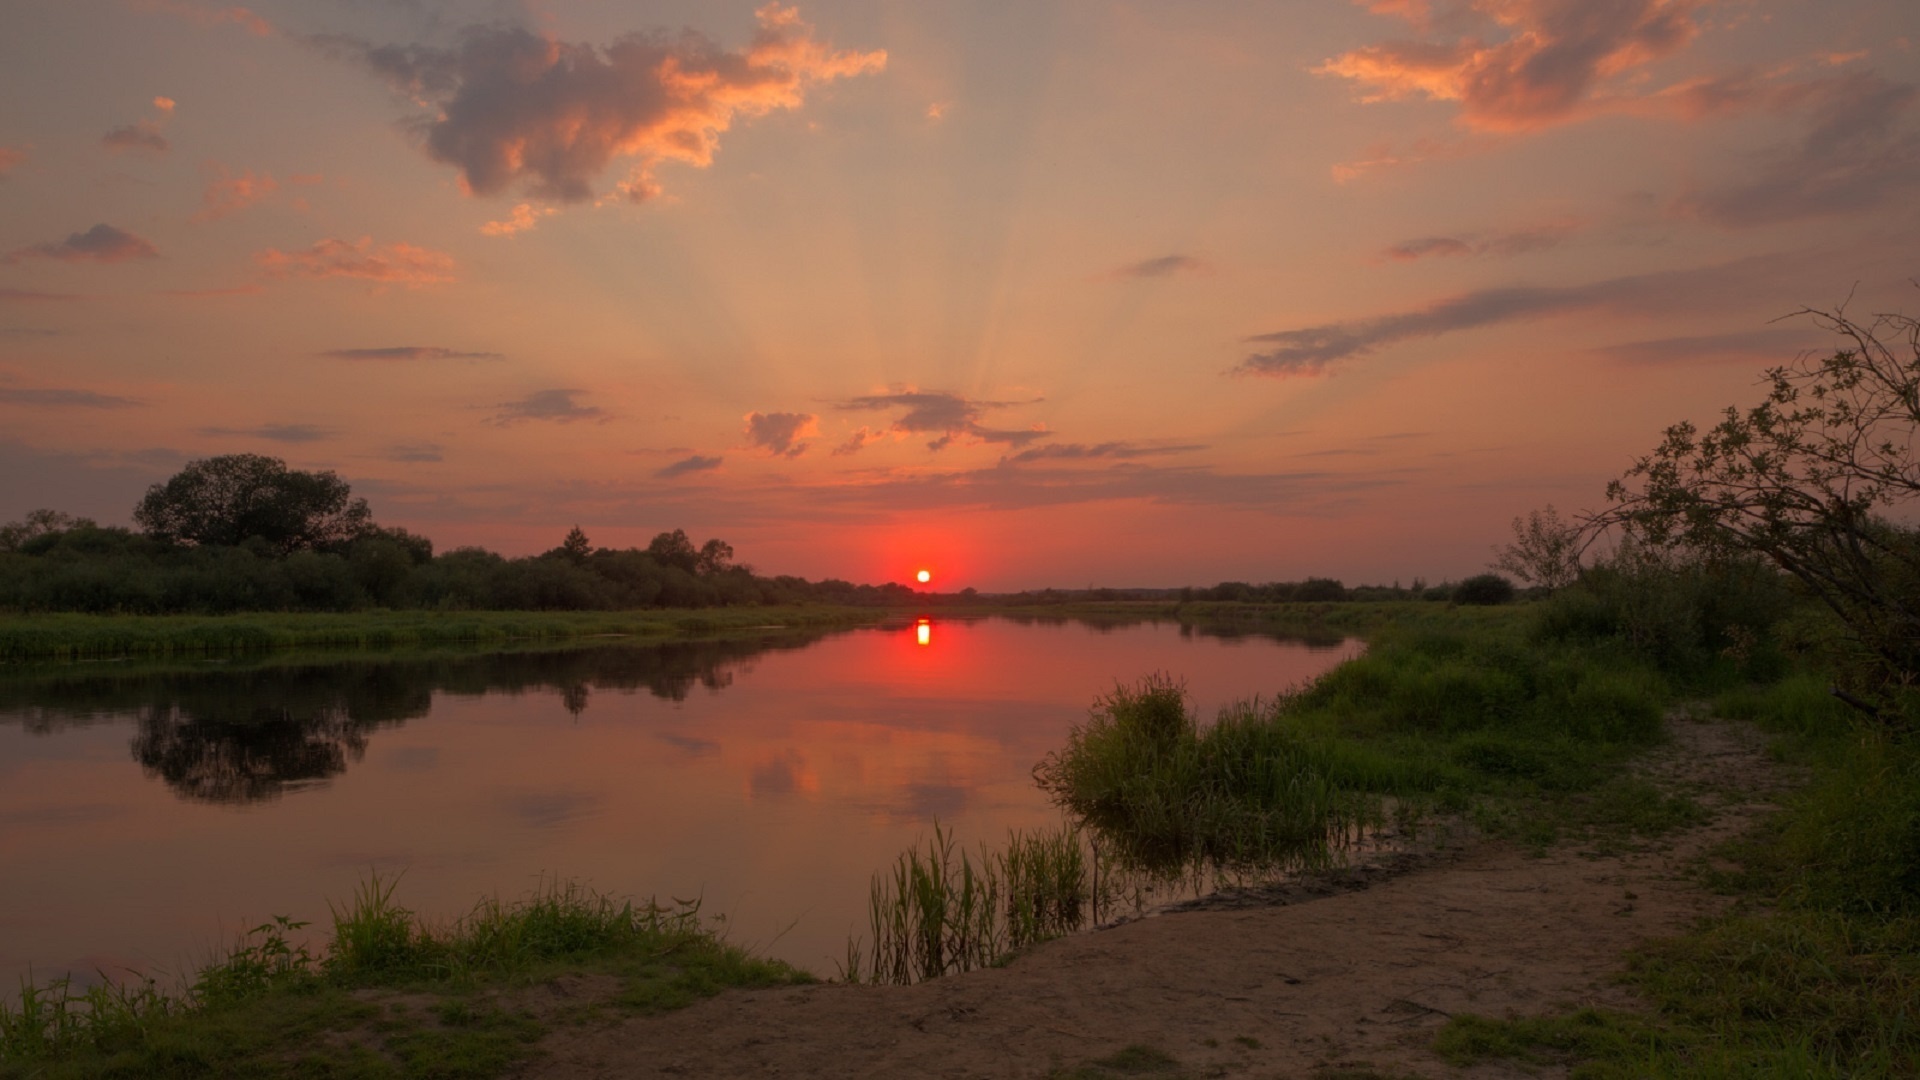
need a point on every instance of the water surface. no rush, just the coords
(145, 817)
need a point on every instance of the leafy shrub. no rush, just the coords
(1485, 589)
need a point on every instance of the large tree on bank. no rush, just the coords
(234, 498)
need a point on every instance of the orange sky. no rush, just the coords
(1033, 293)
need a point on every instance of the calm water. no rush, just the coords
(145, 818)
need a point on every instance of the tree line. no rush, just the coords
(244, 532)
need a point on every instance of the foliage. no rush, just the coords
(1484, 589)
(231, 499)
(1545, 551)
(1802, 479)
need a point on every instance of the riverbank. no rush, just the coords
(58, 637)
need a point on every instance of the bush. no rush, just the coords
(1484, 589)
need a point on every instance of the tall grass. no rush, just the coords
(1165, 796)
(940, 911)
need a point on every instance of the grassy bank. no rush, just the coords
(1814, 971)
(94, 637)
(390, 995)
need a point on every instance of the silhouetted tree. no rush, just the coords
(576, 547)
(234, 498)
(1545, 550)
(1801, 479)
(675, 550)
(15, 534)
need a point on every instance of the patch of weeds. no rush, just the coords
(470, 1043)
(1247, 1041)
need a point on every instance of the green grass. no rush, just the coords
(1814, 972)
(391, 995)
(92, 637)
(939, 911)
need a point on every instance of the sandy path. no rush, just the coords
(1354, 979)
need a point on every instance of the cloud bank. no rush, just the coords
(513, 110)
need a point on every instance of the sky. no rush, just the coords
(1029, 293)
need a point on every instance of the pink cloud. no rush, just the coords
(781, 434)
(514, 110)
(103, 244)
(202, 15)
(525, 216)
(227, 193)
(1550, 61)
(10, 158)
(401, 264)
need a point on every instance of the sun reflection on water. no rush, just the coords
(923, 632)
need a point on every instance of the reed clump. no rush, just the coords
(1168, 797)
(941, 911)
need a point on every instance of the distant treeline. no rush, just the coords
(245, 533)
(1479, 589)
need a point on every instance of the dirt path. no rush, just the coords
(1350, 983)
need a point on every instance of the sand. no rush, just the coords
(1352, 971)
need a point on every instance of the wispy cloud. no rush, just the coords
(1311, 350)
(11, 157)
(685, 466)
(283, 433)
(781, 433)
(525, 216)
(1859, 153)
(410, 352)
(558, 406)
(1773, 345)
(60, 398)
(512, 109)
(1161, 266)
(941, 414)
(229, 193)
(1107, 451)
(398, 264)
(143, 136)
(413, 452)
(206, 15)
(1496, 244)
(103, 244)
(1524, 64)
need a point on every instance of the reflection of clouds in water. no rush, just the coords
(782, 775)
(413, 758)
(76, 814)
(925, 802)
(773, 778)
(691, 746)
(546, 809)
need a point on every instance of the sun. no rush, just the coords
(924, 576)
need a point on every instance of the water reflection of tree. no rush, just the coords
(240, 736)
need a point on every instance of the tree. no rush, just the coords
(1545, 550)
(576, 547)
(674, 549)
(39, 523)
(1804, 479)
(716, 557)
(234, 498)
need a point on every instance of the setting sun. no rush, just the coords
(924, 576)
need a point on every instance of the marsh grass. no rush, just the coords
(272, 1006)
(941, 910)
